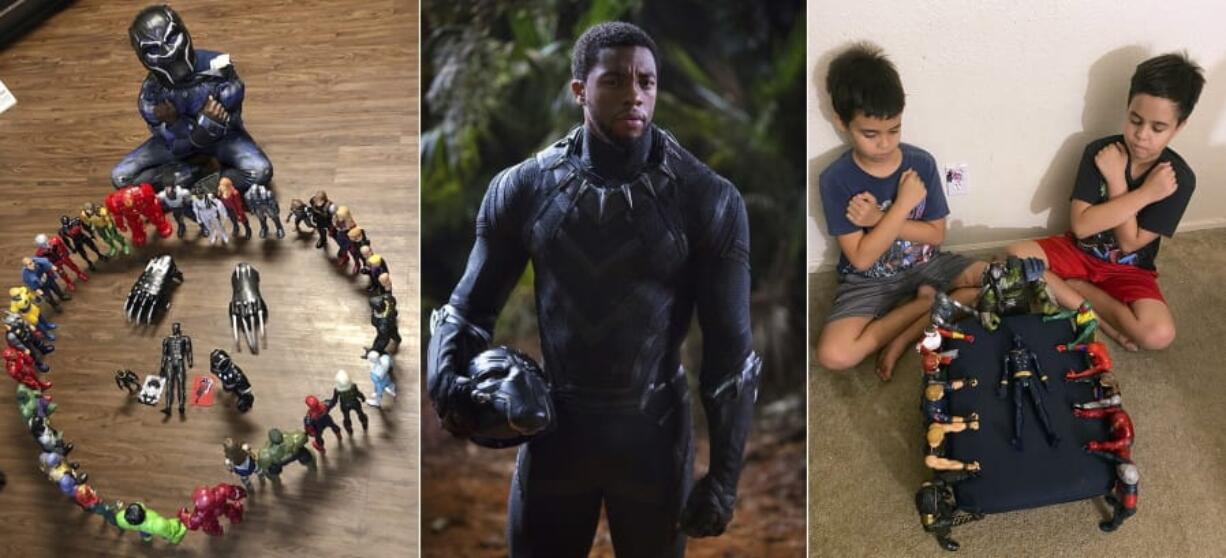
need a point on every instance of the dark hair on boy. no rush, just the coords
(610, 34)
(861, 79)
(1171, 76)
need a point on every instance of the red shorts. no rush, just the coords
(1125, 283)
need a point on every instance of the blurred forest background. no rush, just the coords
(732, 79)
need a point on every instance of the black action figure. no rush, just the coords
(627, 233)
(383, 316)
(176, 359)
(233, 380)
(1022, 365)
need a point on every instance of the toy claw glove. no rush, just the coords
(729, 408)
(454, 341)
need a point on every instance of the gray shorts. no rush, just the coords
(874, 297)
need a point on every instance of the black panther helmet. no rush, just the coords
(162, 43)
(511, 396)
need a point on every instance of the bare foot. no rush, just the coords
(1118, 337)
(888, 357)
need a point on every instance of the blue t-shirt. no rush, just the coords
(843, 179)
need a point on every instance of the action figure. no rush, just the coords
(263, 204)
(300, 213)
(208, 210)
(65, 475)
(212, 503)
(99, 220)
(1119, 424)
(376, 269)
(233, 380)
(151, 291)
(283, 449)
(936, 408)
(20, 365)
(321, 211)
(233, 202)
(148, 523)
(49, 439)
(944, 313)
(380, 376)
(18, 335)
(1021, 366)
(938, 509)
(350, 398)
(1096, 352)
(318, 419)
(192, 101)
(357, 242)
(248, 311)
(342, 223)
(90, 502)
(383, 316)
(74, 232)
(628, 235)
(1010, 287)
(177, 201)
(176, 359)
(34, 403)
(1124, 502)
(24, 302)
(129, 204)
(127, 379)
(241, 461)
(56, 251)
(1085, 323)
(38, 275)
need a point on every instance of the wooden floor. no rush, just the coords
(332, 98)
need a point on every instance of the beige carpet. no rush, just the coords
(865, 438)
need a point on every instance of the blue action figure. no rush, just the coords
(192, 101)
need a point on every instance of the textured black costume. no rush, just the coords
(176, 359)
(233, 380)
(624, 246)
(1021, 366)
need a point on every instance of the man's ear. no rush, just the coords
(577, 89)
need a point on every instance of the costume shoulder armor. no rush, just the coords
(557, 152)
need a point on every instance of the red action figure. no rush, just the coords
(128, 204)
(56, 252)
(1100, 359)
(211, 504)
(930, 359)
(20, 366)
(1120, 425)
(233, 200)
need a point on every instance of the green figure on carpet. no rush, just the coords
(1085, 323)
(1011, 287)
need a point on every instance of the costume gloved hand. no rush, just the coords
(708, 509)
(454, 341)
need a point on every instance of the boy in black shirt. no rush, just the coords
(1131, 190)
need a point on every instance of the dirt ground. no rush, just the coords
(465, 492)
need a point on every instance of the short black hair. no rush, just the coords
(861, 79)
(610, 34)
(1172, 76)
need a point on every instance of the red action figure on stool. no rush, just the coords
(1100, 359)
(211, 504)
(1120, 428)
(20, 366)
(56, 252)
(128, 204)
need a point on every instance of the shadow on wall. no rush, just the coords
(1103, 114)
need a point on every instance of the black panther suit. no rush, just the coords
(625, 245)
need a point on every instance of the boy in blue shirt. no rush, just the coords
(883, 203)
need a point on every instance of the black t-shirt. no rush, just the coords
(1161, 217)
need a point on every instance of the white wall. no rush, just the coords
(1015, 90)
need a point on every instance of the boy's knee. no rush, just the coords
(1157, 337)
(835, 357)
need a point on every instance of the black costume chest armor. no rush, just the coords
(611, 262)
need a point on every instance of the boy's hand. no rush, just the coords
(1111, 160)
(1161, 182)
(863, 211)
(911, 190)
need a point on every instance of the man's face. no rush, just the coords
(619, 94)
(1151, 124)
(874, 139)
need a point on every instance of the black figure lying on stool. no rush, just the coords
(628, 234)
(1021, 365)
